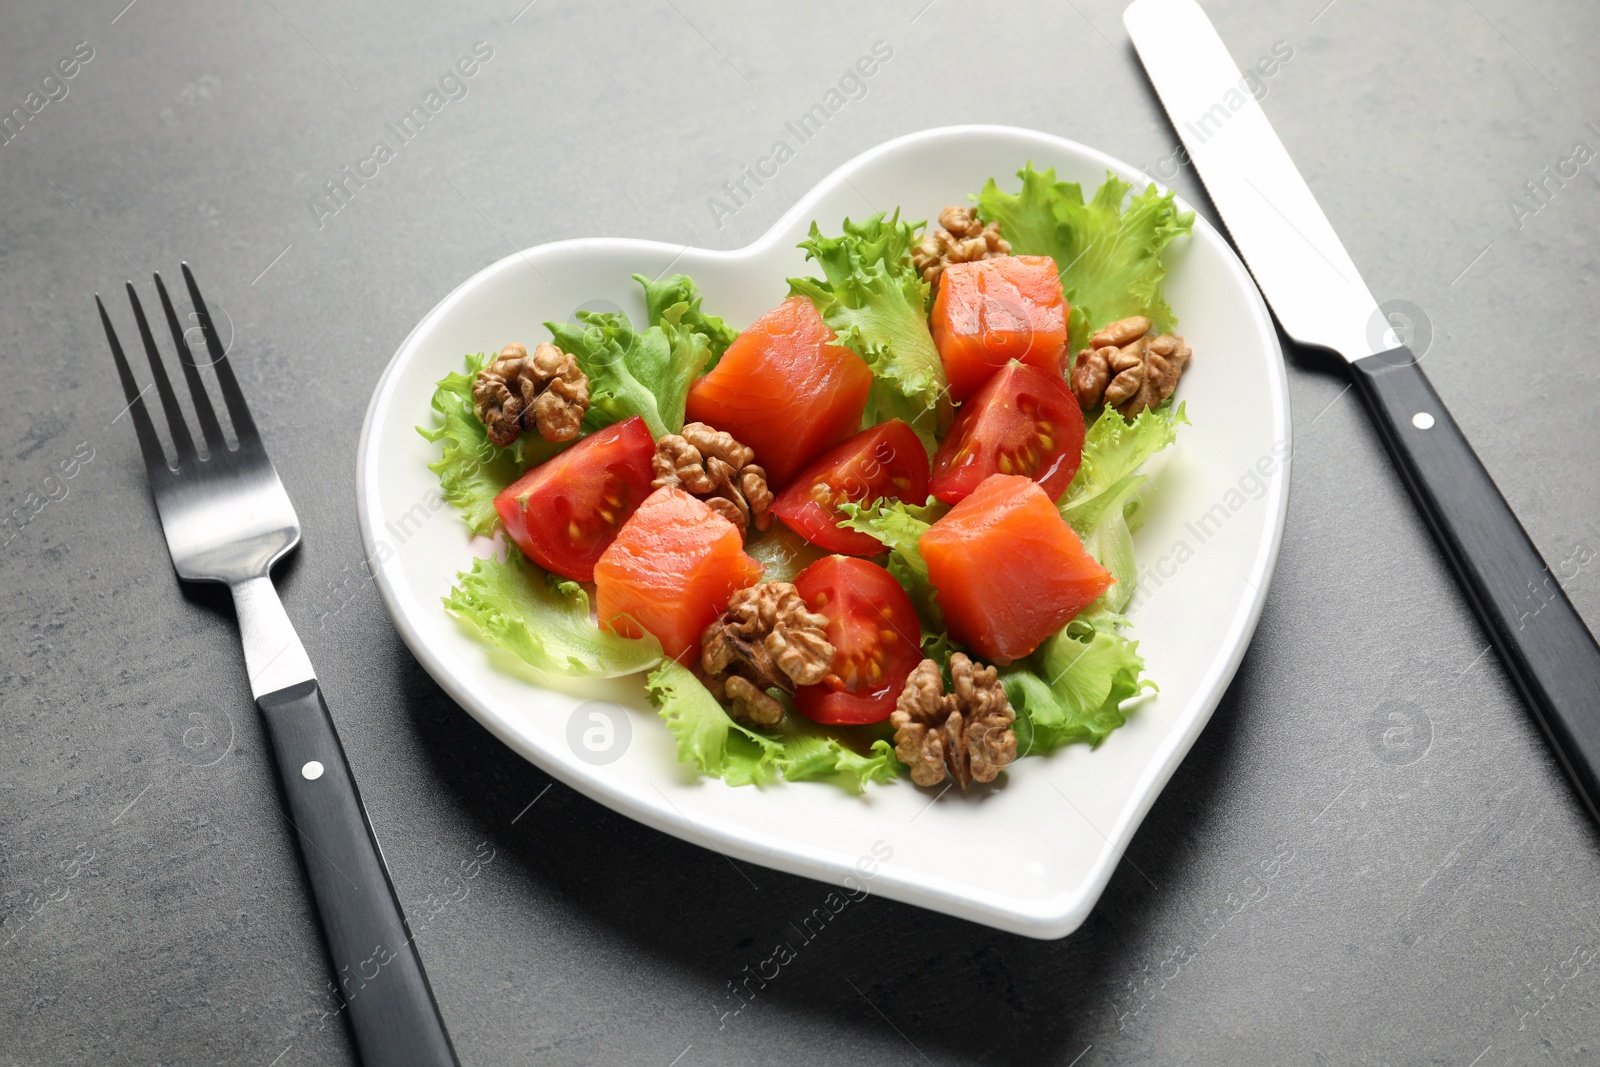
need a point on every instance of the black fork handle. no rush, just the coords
(1541, 638)
(381, 984)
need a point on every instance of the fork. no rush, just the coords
(227, 519)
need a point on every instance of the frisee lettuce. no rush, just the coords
(1101, 497)
(707, 737)
(677, 299)
(471, 470)
(1109, 257)
(718, 747)
(631, 373)
(876, 302)
(543, 620)
(1072, 688)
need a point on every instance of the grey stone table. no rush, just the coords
(1369, 857)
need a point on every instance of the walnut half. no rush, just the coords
(1127, 369)
(962, 240)
(546, 391)
(767, 639)
(719, 470)
(966, 731)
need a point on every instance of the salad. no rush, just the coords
(884, 530)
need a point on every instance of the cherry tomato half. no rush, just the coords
(886, 460)
(566, 511)
(876, 637)
(1023, 421)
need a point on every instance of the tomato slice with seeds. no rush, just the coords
(876, 637)
(1023, 421)
(886, 460)
(566, 511)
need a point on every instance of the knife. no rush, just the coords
(1319, 298)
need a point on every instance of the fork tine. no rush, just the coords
(155, 460)
(181, 440)
(243, 424)
(209, 427)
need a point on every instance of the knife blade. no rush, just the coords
(1280, 230)
(1320, 299)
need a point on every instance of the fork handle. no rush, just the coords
(381, 983)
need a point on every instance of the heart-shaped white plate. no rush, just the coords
(1030, 855)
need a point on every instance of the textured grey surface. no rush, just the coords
(1369, 857)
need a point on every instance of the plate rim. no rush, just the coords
(1045, 918)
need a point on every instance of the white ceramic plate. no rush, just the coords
(1030, 855)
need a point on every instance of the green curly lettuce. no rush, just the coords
(471, 471)
(718, 747)
(1109, 256)
(543, 620)
(1071, 689)
(1101, 499)
(810, 754)
(707, 738)
(876, 302)
(631, 373)
(677, 299)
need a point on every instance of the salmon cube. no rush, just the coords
(992, 311)
(785, 389)
(1008, 569)
(671, 571)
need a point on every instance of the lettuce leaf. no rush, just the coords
(900, 527)
(646, 374)
(876, 302)
(1101, 497)
(939, 647)
(677, 298)
(691, 355)
(628, 371)
(1114, 449)
(543, 620)
(1109, 258)
(718, 747)
(707, 738)
(1071, 689)
(810, 753)
(471, 470)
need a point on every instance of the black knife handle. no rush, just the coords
(384, 991)
(1542, 640)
